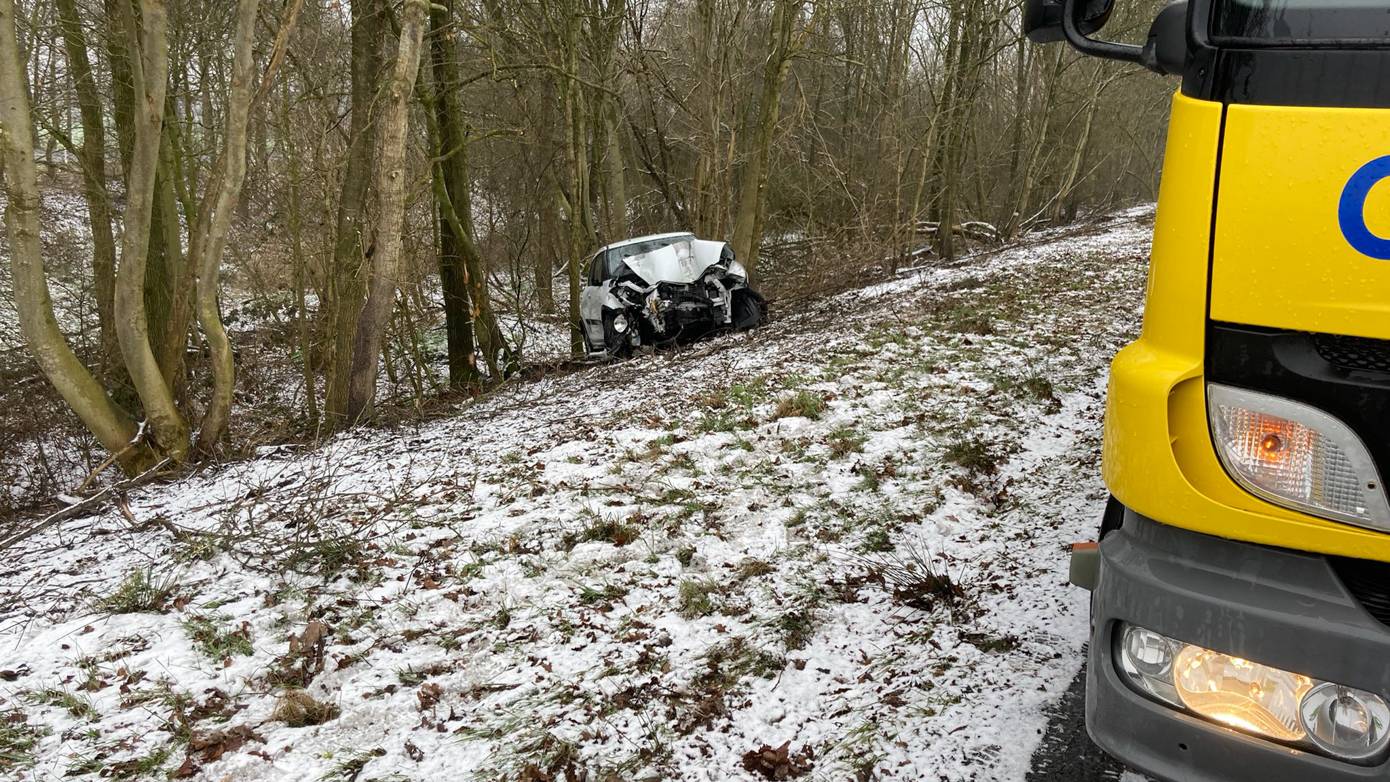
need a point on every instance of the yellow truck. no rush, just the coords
(1241, 584)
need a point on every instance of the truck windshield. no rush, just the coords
(1292, 22)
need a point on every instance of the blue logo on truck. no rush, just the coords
(1351, 210)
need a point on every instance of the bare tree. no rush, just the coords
(391, 179)
(112, 427)
(149, 47)
(224, 190)
(784, 42)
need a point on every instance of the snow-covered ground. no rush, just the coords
(832, 548)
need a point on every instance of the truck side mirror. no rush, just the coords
(1042, 19)
(1074, 21)
(1166, 50)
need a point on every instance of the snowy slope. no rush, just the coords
(648, 570)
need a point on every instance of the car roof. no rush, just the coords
(647, 238)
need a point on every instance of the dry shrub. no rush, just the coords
(297, 709)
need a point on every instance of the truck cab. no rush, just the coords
(1241, 584)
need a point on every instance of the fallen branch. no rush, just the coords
(77, 508)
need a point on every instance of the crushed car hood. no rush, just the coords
(683, 262)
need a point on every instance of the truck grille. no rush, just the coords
(1353, 352)
(1368, 582)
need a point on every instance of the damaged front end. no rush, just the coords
(682, 290)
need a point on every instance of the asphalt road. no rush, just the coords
(1066, 753)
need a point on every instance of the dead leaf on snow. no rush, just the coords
(428, 695)
(779, 762)
(210, 747)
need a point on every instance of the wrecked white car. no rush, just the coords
(657, 289)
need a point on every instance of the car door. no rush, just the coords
(591, 301)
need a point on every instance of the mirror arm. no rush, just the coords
(1079, 41)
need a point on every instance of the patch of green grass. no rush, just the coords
(350, 769)
(728, 661)
(328, 557)
(141, 592)
(198, 548)
(686, 462)
(795, 628)
(965, 315)
(974, 454)
(802, 404)
(76, 705)
(878, 540)
(696, 598)
(17, 740)
(658, 446)
(748, 394)
(215, 640)
(1041, 388)
(992, 643)
(675, 496)
(601, 595)
(607, 530)
(410, 677)
(883, 334)
(81, 766)
(693, 508)
(845, 440)
(144, 767)
(502, 618)
(728, 421)
(685, 555)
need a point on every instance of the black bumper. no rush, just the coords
(1273, 606)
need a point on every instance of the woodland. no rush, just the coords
(236, 223)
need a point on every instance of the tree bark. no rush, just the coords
(301, 272)
(581, 231)
(55, 358)
(228, 182)
(751, 202)
(149, 50)
(345, 287)
(93, 160)
(366, 355)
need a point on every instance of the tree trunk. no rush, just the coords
(107, 422)
(381, 293)
(227, 181)
(550, 239)
(149, 49)
(93, 161)
(1061, 203)
(467, 303)
(581, 232)
(751, 202)
(344, 284)
(306, 346)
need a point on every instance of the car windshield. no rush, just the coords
(1284, 22)
(613, 262)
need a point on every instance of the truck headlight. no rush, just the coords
(1296, 455)
(1340, 721)
(1344, 721)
